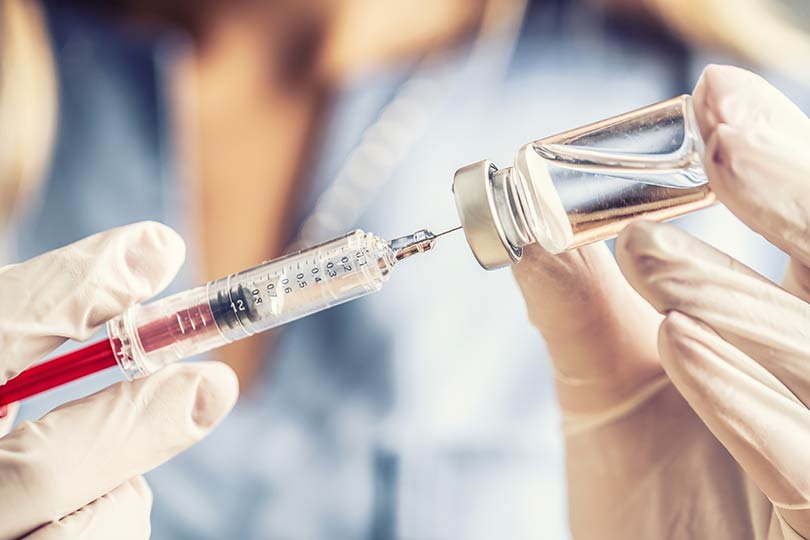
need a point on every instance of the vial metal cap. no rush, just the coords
(474, 190)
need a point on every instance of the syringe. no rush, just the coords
(146, 338)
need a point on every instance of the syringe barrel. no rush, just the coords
(148, 337)
(145, 338)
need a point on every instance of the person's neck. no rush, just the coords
(248, 124)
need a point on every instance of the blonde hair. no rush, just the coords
(756, 30)
(27, 103)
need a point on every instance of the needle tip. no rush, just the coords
(448, 231)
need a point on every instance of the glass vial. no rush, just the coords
(584, 185)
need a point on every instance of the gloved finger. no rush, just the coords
(123, 513)
(757, 155)
(764, 180)
(677, 272)
(78, 452)
(757, 418)
(7, 415)
(599, 332)
(70, 292)
(737, 97)
(797, 280)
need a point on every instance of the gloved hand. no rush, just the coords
(76, 472)
(694, 424)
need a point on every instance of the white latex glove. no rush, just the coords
(696, 425)
(76, 472)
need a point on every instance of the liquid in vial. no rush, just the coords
(584, 185)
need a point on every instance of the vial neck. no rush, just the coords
(510, 201)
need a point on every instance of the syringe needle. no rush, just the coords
(448, 231)
(418, 242)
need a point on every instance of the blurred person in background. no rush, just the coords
(251, 125)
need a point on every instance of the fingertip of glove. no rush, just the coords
(216, 393)
(654, 258)
(642, 246)
(142, 489)
(156, 252)
(674, 339)
(681, 339)
(714, 95)
(162, 238)
(677, 325)
(705, 96)
(718, 80)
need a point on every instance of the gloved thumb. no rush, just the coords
(84, 449)
(600, 333)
